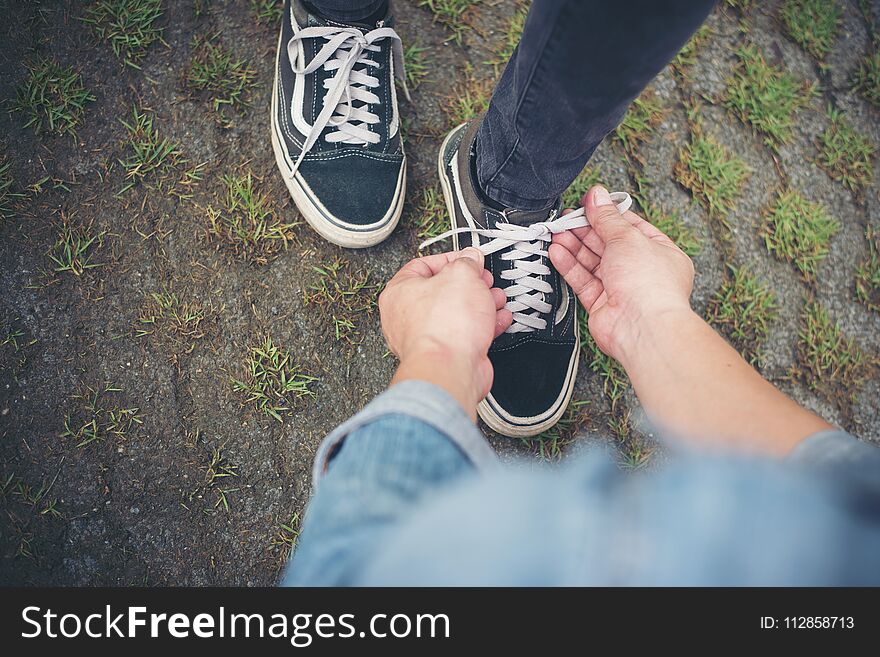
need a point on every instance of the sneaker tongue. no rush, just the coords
(528, 217)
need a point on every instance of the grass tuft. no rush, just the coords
(550, 445)
(812, 24)
(286, 537)
(639, 124)
(95, 419)
(675, 229)
(829, 361)
(8, 197)
(687, 56)
(868, 274)
(415, 62)
(452, 14)
(347, 294)
(765, 97)
(845, 154)
(510, 38)
(129, 25)
(799, 231)
(430, 216)
(614, 379)
(272, 379)
(470, 99)
(151, 157)
(866, 79)
(580, 186)
(75, 247)
(743, 309)
(52, 97)
(167, 314)
(267, 12)
(225, 79)
(247, 221)
(712, 174)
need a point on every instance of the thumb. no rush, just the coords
(470, 257)
(604, 216)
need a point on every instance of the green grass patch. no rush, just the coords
(153, 158)
(812, 24)
(226, 79)
(52, 98)
(765, 97)
(219, 473)
(246, 220)
(550, 445)
(509, 38)
(687, 56)
(178, 320)
(868, 274)
(799, 231)
(8, 196)
(346, 294)
(711, 173)
(581, 185)
(272, 379)
(829, 361)
(35, 496)
(130, 26)
(267, 12)
(286, 537)
(469, 99)
(95, 418)
(866, 79)
(614, 379)
(639, 124)
(75, 248)
(675, 229)
(743, 309)
(430, 216)
(415, 62)
(452, 14)
(845, 154)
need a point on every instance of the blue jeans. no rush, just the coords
(578, 66)
(408, 492)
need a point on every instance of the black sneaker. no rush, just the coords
(536, 360)
(335, 124)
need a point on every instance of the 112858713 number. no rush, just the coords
(818, 622)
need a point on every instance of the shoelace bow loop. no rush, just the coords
(345, 48)
(524, 248)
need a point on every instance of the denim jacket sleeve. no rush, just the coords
(420, 400)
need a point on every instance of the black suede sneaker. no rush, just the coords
(336, 127)
(535, 361)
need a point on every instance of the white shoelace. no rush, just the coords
(346, 48)
(528, 291)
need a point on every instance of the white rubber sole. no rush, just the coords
(358, 237)
(493, 420)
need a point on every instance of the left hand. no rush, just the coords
(439, 315)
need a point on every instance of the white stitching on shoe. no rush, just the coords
(528, 290)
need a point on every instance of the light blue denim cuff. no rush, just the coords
(832, 447)
(420, 400)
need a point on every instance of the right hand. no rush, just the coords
(624, 271)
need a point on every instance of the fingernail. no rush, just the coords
(601, 197)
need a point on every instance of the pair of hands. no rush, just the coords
(440, 313)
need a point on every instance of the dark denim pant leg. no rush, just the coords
(346, 11)
(578, 66)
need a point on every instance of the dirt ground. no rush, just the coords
(187, 483)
